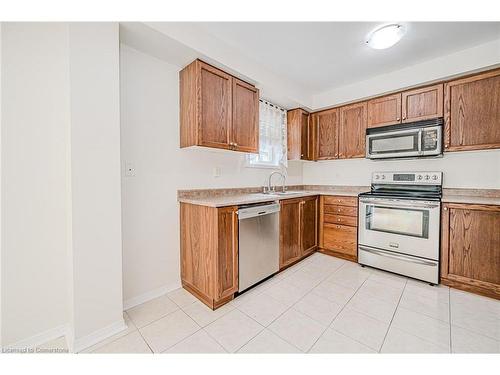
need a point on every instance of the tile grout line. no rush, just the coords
(393, 315)
(449, 317)
(342, 309)
(112, 341)
(290, 307)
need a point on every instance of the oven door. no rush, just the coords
(400, 225)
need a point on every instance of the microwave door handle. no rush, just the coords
(420, 141)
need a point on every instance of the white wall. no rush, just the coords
(472, 169)
(478, 57)
(95, 180)
(35, 116)
(150, 141)
(61, 199)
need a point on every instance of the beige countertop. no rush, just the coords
(244, 196)
(470, 199)
(239, 199)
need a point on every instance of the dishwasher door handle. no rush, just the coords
(262, 210)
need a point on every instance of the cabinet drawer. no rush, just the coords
(340, 200)
(340, 210)
(351, 221)
(340, 238)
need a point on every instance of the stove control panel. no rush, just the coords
(407, 178)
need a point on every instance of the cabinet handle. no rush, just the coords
(338, 219)
(398, 119)
(446, 208)
(404, 117)
(446, 146)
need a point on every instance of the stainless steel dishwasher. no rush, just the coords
(258, 243)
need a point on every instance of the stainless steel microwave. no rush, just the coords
(417, 139)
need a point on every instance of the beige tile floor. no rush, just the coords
(321, 305)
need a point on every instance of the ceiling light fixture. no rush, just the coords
(386, 36)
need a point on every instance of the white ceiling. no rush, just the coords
(320, 56)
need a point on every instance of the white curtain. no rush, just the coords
(272, 136)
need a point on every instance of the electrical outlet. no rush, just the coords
(129, 169)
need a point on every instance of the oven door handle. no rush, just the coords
(398, 205)
(399, 256)
(420, 141)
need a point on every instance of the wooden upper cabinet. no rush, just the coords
(384, 111)
(309, 224)
(305, 149)
(217, 110)
(422, 104)
(470, 247)
(298, 137)
(245, 121)
(472, 112)
(352, 131)
(325, 126)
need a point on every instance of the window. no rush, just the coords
(272, 138)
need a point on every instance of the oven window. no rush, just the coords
(385, 144)
(405, 221)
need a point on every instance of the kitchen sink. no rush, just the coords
(285, 192)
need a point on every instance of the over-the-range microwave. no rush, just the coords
(416, 139)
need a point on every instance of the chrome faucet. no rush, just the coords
(273, 188)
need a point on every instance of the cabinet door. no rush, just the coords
(471, 247)
(245, 121)
(422, 104)
(290, 241)
(309, 224)
(227, 254)
(294, 133)
(384, 111)
(352, 131)
(305, 152)
(472, 112)
(326, 129)
(215, 107)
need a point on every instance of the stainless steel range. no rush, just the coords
(399, 223)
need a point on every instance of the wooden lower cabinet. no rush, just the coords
(298, 229)
(339, 226)
(209, 252)
(470, 248)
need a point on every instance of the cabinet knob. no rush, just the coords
(398, 119)
(446, 146)
(338, 219)
(404, 117)
(446, 208)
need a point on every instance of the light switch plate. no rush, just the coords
(216, 171)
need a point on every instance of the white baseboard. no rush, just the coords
(40, 338)
(83, 343)
(135, 301)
